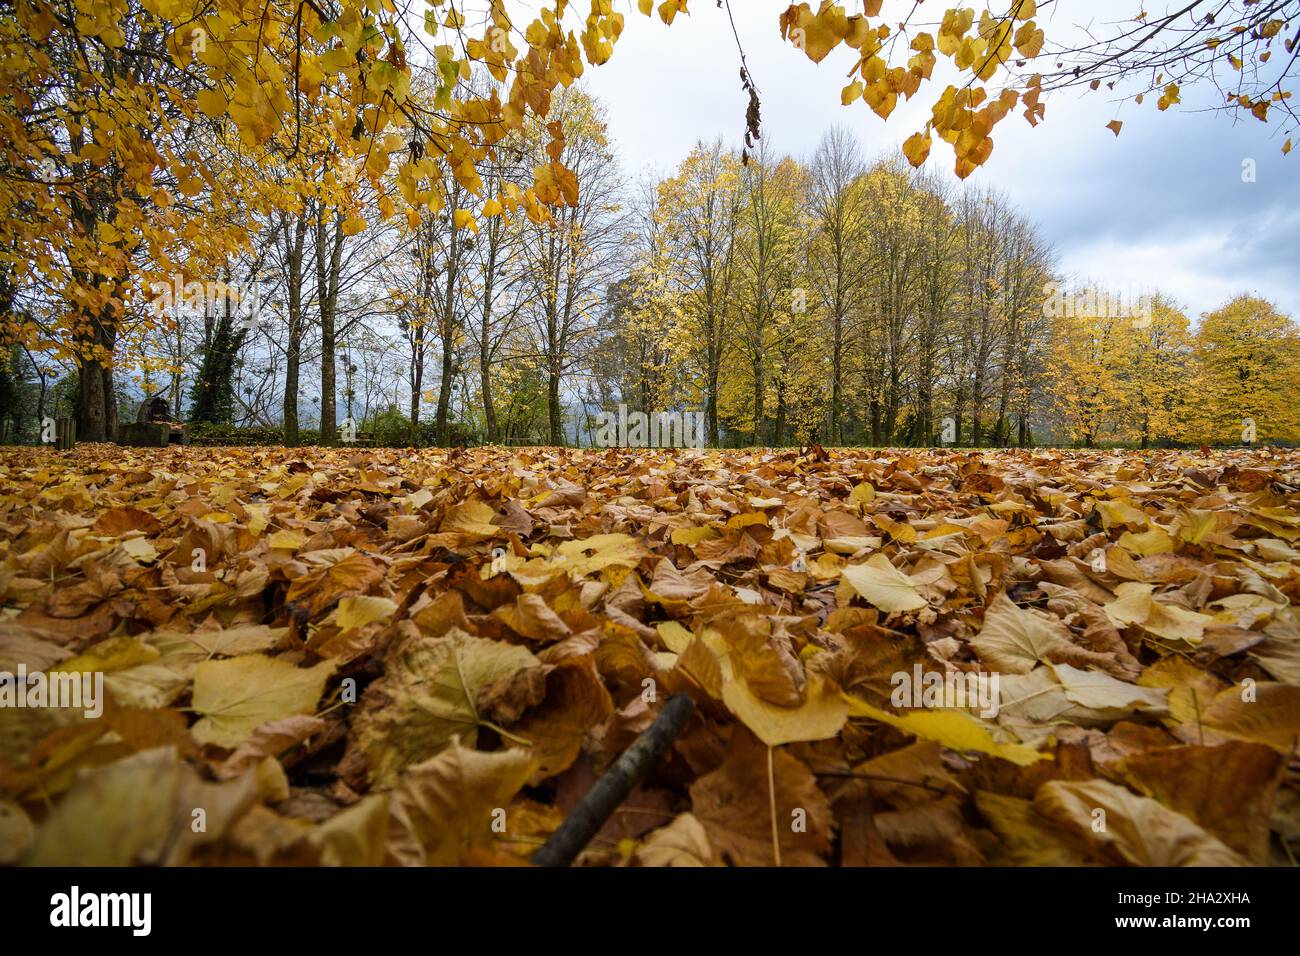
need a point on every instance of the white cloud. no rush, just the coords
(1163, 202)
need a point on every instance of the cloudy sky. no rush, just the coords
(1163, 205)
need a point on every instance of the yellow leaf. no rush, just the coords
(916, 148)
(883, 585)
(689, 536)
(954, 729)
(112, 654)
(360, 610)
(288, 540)
(234, 697)
(819, 717)
(212, 102)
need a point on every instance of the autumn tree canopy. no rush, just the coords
(146, 139)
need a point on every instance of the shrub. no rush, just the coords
(391, 428)
(247, 434)
(458, 433)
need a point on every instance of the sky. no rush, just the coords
(1161, 206)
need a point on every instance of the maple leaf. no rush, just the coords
(429, 694)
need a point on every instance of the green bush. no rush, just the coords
(391, 428)
(458, 433)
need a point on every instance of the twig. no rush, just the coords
(586, 819)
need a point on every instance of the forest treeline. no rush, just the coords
(829, 298)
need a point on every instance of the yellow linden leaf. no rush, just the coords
(234, 697)
(1115, 126)
(670, 8)
(600, 551)
(1029, 40)
(447, 805)
(1156, 540)
(432, 690)
(1271, 716)
(1195, 524)
(862, 493)
(470, 518)
(112, 654)
(1120, 512)
(353, 225)
(1135, 604)
(645, 6)
(689, 536)
(212, 102)
(675, 635)
(1139, 831)
(360, 610)
(1014, 640)
(954, 729)
(916, 148)
(820, 717)
(337, 60)
(141, 549)
(288, 540)
(883, 585)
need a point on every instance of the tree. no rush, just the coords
(1247, 367)
(836, 252)
(701, 203)
(1087, 363)
(571, 255)
(1158, 370)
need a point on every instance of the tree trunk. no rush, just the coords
(444, 396)
(93, 402)
(293, 347)
(555, 413)
(485, 387)
(417, 385)
(711, 407)
(837, 376)
(485, 356)
(328, 269)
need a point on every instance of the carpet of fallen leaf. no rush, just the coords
(340, 656)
